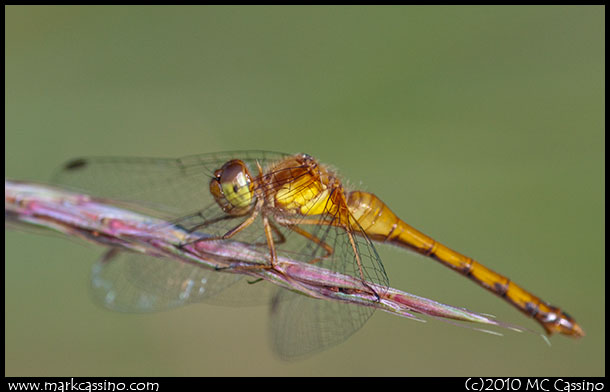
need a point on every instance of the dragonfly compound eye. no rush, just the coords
(232, 187)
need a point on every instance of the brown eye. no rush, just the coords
(232, 186)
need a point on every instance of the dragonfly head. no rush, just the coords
(232, 187)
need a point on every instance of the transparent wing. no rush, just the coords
(303, 325)
(167, 188)
(135, 282)
(176, 190)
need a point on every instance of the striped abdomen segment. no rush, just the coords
(382, 225)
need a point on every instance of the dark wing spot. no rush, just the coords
(75, 164)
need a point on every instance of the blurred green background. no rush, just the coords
(481, 126)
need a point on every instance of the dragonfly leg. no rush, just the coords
(281, 238)
(270, 242)
(292, 225)
(268, 228)
(277, 241)
(329, 249)
(208, 222)
(233, 231)
(359, 262)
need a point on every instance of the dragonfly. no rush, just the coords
(289, 205)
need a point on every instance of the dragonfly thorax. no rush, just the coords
(304, 187)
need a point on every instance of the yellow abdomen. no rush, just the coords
(381, 224)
